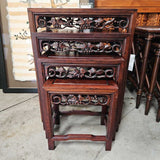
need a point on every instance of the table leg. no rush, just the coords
(143, 69)
(158, 115)
(57, 118)
(153, 81)
(103, 114)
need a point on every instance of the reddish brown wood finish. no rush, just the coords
(97, 67)
(110, 89)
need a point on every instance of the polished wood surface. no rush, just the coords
(80, 86)
(149, 29)
(143, 6)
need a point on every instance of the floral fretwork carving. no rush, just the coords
(67, 47)
(80, 99)
(111, 24)
(80, 72)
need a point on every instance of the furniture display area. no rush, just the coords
(147, 46)
(81, 57)
(147, 22)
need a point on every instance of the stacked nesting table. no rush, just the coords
(81, 58)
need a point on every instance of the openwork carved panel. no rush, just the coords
(79, 99)
(148, 19)
(50, 48)
(80, 72)
(81, 24)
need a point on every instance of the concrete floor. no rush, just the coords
(22, 136)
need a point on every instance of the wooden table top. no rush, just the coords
(143, 6)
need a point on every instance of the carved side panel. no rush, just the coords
(53, 23)
(153, 20)
(61, 72)
(79, 99)
(55, 47)
(148, 19)
(141, 19)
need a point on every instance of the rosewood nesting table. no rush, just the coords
(81, 58)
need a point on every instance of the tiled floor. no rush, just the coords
(22, 136)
